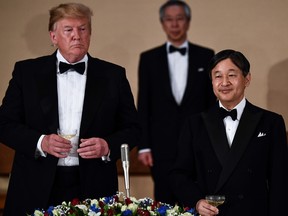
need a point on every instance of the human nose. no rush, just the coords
(174, 22)
(226, 81)
(76, 34)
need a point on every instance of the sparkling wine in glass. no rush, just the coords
(67, 134)
(215, 200)
(70, 134)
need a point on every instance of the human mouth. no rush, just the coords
(77, 46)
(225, 91)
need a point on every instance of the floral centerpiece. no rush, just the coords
(115, 205)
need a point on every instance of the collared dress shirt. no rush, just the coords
(178, 71)
(71, 90)
(230, 125)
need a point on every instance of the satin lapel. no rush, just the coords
(46, 79)
(245, 130)
(217, 134)
(94, 93)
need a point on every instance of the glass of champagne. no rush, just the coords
(215, 200)
(69, 134)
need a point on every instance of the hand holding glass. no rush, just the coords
(215, 200)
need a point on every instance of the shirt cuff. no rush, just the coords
(144, 150)
(39, 151)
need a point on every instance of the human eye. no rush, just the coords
(67, 29)
(181, 18)
(167, 19)
(233, 74)
(83, 28)
(217, 75)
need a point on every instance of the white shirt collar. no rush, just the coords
(62, 59)
(239, 107)
(185, 44)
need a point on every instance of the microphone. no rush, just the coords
(125, 165)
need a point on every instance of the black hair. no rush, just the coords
(236, 57)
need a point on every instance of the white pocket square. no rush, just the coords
(261, 134)
(200, 69)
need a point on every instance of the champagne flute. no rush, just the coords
(215, 200)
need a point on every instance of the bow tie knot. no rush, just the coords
(79, 67)
(224, 113)
(175, 49)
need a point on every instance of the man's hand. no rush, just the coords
(205, 209)
(146, 158)
(56, 145)
(93, 148)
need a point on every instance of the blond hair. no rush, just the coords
(69, 10)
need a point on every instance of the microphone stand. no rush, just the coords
(125, 165)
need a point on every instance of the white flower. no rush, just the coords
(186, 214)
(133, 207)
(95, 201)
(119, 205)
(83, 208)
(38, 213)
(124, 208)
(91, 213)
(55, 212)
(133, 199)
(152, 213)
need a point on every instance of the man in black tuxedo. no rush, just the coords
(173, 84)
(234, 149)
(51, 92)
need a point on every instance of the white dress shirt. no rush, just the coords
(178, 71)
(230, 125)
(71, 91)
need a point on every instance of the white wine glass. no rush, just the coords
(215, 200)
(67, 134)
(70, 134)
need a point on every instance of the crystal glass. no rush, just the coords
(215, 200)
(67, 134)
(70, 134)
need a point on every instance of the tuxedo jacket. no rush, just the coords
(252, 174)
(160, 116)
(30, 109)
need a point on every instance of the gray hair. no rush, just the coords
(175, 3)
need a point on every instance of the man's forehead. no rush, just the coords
(73, 21)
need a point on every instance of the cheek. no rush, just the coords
(185, 27)
(165, 27)
(87, 38)
(215, 88)
(215, 84)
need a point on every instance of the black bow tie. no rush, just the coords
(79, 67)
(174, 49)
(232, 113)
